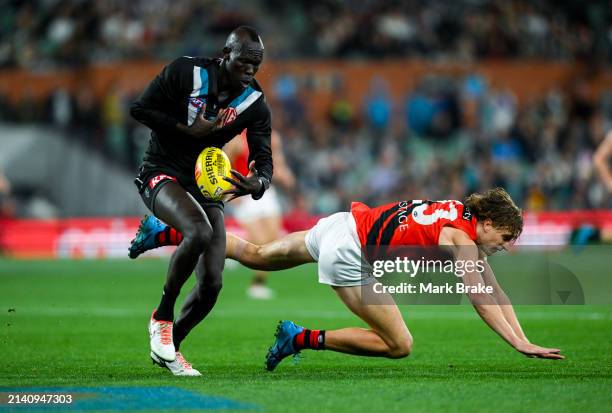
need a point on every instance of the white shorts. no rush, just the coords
(248, 210)
(333, 242)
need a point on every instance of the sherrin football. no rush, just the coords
(211, 166)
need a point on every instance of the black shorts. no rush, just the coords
(150, 181)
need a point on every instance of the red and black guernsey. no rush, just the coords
(406, 223)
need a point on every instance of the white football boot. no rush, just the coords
(260, 292)
(160, 333)
(178, 367)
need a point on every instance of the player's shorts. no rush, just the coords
(248, 210)
(150, 181)
(333, 242)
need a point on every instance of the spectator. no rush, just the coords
(378, 105)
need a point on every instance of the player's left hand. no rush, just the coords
(535, 351)
(243, 185)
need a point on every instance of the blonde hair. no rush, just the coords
(496, 205)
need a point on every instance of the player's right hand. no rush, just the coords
(532, 350)
(202, 127)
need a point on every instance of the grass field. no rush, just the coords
(83, 324)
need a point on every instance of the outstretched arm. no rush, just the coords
(287, 252)
(485, 304)
(503, 301)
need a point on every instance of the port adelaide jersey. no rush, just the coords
(181, 91)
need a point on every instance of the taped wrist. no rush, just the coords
(265, 184)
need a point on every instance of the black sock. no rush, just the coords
(176, 339)
(165, 309)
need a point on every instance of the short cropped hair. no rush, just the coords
(249, 31)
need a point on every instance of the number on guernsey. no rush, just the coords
(419, 216)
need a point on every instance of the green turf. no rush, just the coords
(83, 323)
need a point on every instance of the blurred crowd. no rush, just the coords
(445, 138)
(44, 34)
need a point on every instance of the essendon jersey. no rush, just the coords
(413, 222)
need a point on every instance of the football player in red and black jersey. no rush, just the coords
(479, 226)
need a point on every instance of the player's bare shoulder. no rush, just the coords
(454, 236)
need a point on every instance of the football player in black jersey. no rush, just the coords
(192, 104)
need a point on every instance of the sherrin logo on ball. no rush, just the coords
(211, 166)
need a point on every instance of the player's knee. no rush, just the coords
(259, 252)
(265, 253)
(198, 236)
(400, 348)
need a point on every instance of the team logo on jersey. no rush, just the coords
(467, 214)
(227, 116)
(197, 103)
(158, 178)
